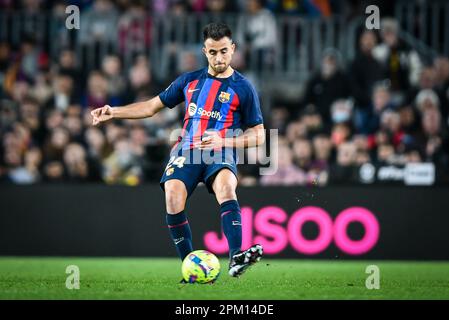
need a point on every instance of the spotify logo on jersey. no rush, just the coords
(192, 109)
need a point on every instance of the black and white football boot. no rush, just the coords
(242, 260)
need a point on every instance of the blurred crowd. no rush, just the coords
(386, 107)
(309, 7)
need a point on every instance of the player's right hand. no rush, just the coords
(101, 114)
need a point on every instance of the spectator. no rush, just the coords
(302, 154)
(188, 61)
(77, 166)
(99, 23)
(296, 130)
(114, 132)
(122, 166)
(97, 92)
(279, 118)
(385, 154)
(287, 173)
(67, 65)
(74, 127)
(54, 172)
(427, 82)
(408, 117)
(322, 149)
(402, 63)
(197, 5)
(218, 6)
(20, 90)
(412, 155)
(97, 146)
(368, 123)
(32, 59)
(134, 29)
(29, 115)
(12, 160)
(441, 66)
(256, 35)
(53, 119)
(434, 140)
(8, 116)
(248, 172)
(328, 85)
(365, 72)
(54, 147)
(361, 158)
(312, 120)
(427, 99)
(391, 122)
(41, 90)
(63, 93)
(160, 7)
(5, 65)
(139, 78)
(340, 133)
(344, 171)
(341, 111)
(112, 69)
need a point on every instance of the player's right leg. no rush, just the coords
(179, 180)
(178, 225)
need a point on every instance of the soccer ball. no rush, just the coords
(200, 266)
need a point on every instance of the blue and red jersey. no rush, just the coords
(212, 103)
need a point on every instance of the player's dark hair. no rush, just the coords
(216, 31)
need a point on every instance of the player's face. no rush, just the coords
(219, 53)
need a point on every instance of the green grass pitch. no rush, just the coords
(154, 278)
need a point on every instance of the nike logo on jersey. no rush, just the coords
(236, 223)
(178, 240)
(192, 90)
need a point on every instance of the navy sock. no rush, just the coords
(231, 223)
(179, 229)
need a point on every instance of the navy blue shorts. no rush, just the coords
(195, 166)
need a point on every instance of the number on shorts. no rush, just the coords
(179, 162)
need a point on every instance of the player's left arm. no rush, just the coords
(251, 137)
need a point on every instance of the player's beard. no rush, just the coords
(220, 68)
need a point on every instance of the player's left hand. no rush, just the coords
(213, 140)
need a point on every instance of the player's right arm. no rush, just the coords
(137, 110)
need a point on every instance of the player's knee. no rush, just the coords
(225, 192)
(175, 197)
(174, 202)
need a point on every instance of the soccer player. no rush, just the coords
(217, 99)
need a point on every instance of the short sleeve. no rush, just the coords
(251, 113)
(174, 94)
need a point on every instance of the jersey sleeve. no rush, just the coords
(251, 113)
(173, 95)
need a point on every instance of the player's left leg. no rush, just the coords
(224, 186)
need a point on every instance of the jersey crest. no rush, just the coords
(224, 97)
